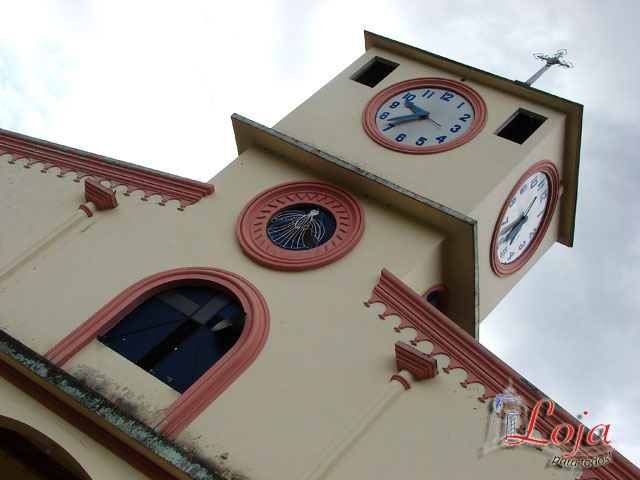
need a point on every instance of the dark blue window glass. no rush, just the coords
(434, 299)
(301, 227)
(179, 334)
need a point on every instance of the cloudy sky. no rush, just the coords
(154, 83)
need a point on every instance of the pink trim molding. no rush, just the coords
(464, 351)
(473, 97)
(405, 383)
(421, 365)
(192, 402)
(103, 197)
(506, 269)
(86, 210)
(251, 228)
(134, 177)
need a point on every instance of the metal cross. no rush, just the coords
(551, 60)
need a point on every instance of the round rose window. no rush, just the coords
(300, 225)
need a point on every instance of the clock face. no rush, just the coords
(425, 115)
(524, 218)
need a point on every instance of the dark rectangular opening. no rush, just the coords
(521, 126)
(374, 72)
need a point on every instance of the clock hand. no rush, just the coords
(514, 233)
(520, 218)
(529, 207)
(414, 107)
(433, 121)
(511, 225)
(419, 113)
(407, 117)
(417, 109)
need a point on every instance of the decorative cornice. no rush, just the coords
(481, 365)
(103, 197)
(421, 365)
(134, 177)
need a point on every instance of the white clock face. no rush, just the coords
(424, 117)
(523, 217)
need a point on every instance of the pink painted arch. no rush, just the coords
(204, 391)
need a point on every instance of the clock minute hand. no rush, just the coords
(414, 107)
(511, 225)
(529, 207)
(521, 218)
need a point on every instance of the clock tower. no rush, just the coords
(455, 146)
(315, 317)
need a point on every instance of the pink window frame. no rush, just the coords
(208, 387)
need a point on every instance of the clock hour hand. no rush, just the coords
(419, 113)
(414, 107)
(417, 109)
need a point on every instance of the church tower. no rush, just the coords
(316, 316)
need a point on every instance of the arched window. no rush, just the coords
(178, 334)
(210, 326)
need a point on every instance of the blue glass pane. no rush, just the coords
(197, 294)
(232, 308)
(301, 227)
(434, 299)
(142, 329)
(182, 367)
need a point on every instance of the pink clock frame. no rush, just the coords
(477, 103)
(551, 172)
(251, 228)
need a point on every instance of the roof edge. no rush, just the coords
(79, 396)
(134, 177)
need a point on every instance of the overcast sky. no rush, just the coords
(154, 83)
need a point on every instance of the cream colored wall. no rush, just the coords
(494, 288)
(331, 120)
(327, 355)
(96, 460)
(438, 429)
(321, 333)
(32, 204)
